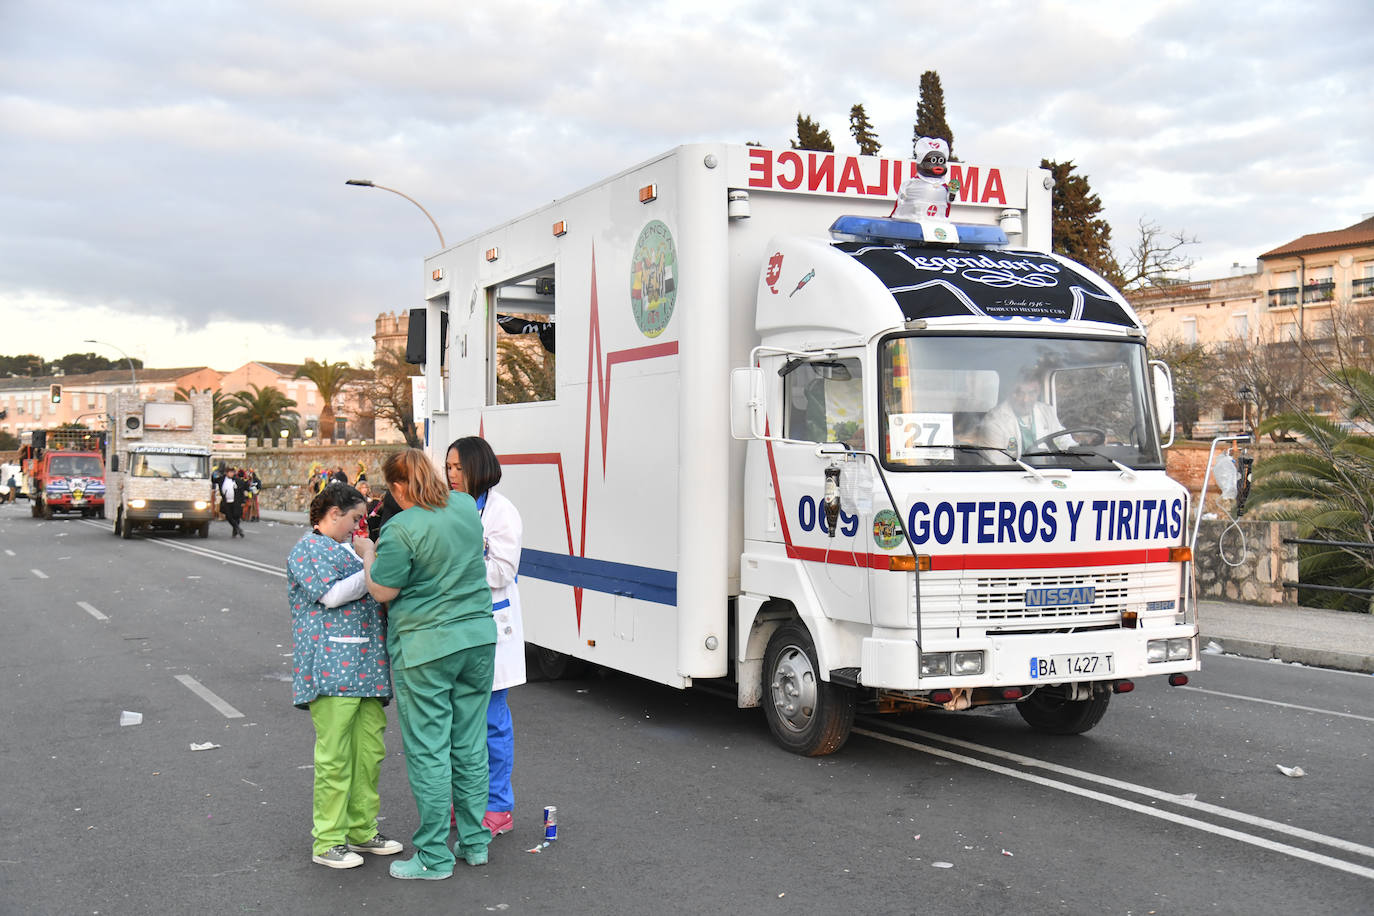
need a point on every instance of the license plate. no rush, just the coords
(169, 515)
(1071, 666)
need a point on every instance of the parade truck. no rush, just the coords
(64, 471)
(759, 431)
(160, 464)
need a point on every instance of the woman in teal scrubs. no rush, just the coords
(442, 639)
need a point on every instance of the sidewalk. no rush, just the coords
(1309, 636)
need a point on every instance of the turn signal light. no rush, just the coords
(493, 254)
(908, 563)
(1012, 693)
(560, 228)
(647, 193)
(1180, 554)
(941, 696)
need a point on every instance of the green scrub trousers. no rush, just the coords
(349, 749)
(442, 707)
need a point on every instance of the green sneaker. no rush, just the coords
(473, 855)
(414, 868)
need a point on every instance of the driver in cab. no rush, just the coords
(1021, 419)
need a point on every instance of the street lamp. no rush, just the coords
(364, 183)
(132, 376)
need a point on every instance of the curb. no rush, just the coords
(1316, 658)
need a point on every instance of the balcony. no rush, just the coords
(1284, 297)
(1320, 291)
(1361, 287)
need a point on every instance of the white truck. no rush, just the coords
(159, 474)
(757, 429)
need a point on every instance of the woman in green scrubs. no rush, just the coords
(441, 638)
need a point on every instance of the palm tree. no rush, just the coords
(330, 379)
(263, 412)
(1325, 486)
(222, 406)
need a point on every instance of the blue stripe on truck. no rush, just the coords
(642, 582)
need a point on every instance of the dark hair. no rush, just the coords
(481, 468)
(335, 496)
(412, 467)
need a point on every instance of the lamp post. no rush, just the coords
(132, 377)
(364, 183)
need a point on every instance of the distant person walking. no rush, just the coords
(231, 504)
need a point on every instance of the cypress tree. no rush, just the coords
(862, 131)
(930, 113)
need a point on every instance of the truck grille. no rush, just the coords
(999, 601)
(1003, 598)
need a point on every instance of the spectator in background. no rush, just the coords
(339, 475)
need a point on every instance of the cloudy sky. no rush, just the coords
(172, 173)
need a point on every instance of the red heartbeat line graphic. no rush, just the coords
(602, 369)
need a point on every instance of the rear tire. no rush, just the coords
(807, 715)
(1050, 712)
(555, 666)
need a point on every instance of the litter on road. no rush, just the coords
(130, 718)
(1295, 772)
(203, 747)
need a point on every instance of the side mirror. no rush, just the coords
(747, 406)
(1164, 398)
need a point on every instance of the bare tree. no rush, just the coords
(1273, 374)
(1194, 375)
(386, 388)
(1156, 258)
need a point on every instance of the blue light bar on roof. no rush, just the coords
(877, 229)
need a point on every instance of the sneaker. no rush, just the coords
(378, 846)
(473, 855)
(414, 868)
(498, 822)
(337, 857)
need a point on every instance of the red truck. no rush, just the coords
(64, 470)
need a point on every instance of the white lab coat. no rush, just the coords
(1000, 428)
(502, 531)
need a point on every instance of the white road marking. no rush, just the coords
(1148, 792)
(1237, 696)
(39, 573)
(1261, 842)
(208, 696)
(9, 552)
(90, 610)
(210, 553)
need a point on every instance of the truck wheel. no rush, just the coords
(34, 506)
(203, 531)
(45, 508)
(1047, 710)
(807, 715)
(123, 526)
(555, 666)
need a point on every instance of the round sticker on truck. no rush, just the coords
(653, 279)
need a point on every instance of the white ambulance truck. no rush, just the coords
(755, 429)
(159, 474)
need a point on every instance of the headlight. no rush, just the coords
(201, 505)
(934, 664)
(1157, 650)
(968, 662)
(1180, 649)
(137, 503)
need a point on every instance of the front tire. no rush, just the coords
(1047, 710)
(203, 531)
(807, 715)
(123, 527)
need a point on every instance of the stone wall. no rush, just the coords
(1264, 561)
(285, 471)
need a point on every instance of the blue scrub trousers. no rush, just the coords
(500, 753)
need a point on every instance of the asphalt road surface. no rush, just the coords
(669, 801)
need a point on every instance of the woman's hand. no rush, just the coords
(364, 547)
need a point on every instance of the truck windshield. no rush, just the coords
(75, 466)
(970, 402)
(180, 466)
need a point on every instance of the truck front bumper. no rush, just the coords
(169, 513)
(1030, 660)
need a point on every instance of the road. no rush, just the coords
(669, 801)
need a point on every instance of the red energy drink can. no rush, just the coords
(550, 822)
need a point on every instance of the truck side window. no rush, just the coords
(823, 401)
(523, 335)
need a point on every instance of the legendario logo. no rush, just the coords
(653, 279)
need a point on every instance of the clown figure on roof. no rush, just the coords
(929, 194)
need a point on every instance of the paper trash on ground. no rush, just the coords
(203, 747)
(1295, 772)
(130, 718)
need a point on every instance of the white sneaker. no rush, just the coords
(338, 857)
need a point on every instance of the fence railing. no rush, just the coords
(1330, 588)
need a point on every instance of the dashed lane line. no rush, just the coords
(209, 696)
(39, 573)
(90, 610)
